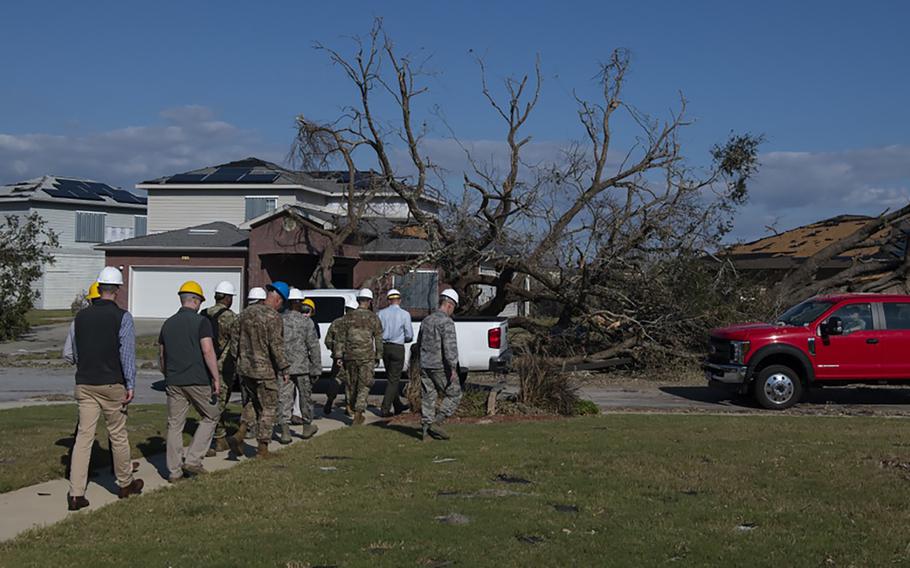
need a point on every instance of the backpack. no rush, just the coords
(213, 319)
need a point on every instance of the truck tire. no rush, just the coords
(777, 387)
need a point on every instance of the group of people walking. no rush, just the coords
(270, 351)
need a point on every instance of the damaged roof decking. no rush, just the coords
(218, 236)
(796, 245)
(74, 190)
(254, 171)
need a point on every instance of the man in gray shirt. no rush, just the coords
(397, 330)
(439, 366)
(190, 367)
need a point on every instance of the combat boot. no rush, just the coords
(285, 437)
(327, 408)
(348, 410)
(358, 418)
(309, 430)
(235, 442)
(424, 433)
(221, 445)
(262, 452)
(437, 432)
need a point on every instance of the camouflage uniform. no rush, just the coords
(227, 324)
(259, 348)
(361, 350)
(438, 363)
(333, 344)
(302, 348)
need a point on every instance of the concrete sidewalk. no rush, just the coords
(45, 504)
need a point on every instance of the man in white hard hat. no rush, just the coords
(439, 367)
(256, 295)
(397, 330)
(103, 348)
(333, 344)
(361, 340)
(223, 322)
(301, 346)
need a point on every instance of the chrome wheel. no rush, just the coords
(779, 388)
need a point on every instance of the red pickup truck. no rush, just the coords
(827, 340)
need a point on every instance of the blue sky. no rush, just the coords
(123, 92)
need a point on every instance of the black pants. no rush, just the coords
(393, 359)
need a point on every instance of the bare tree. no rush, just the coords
(607, 236)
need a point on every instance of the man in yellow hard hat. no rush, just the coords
(93, 293)
(190, 367)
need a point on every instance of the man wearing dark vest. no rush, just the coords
(187, 359)
(103, 347)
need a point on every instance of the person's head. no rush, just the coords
(190, 294)
(350, 304)
(448, 301)
(256, 295)
(308, 307)
(109, 282)
(224, 294)
(394, 297)
(364, 298)
(276, 294)
(295, 300)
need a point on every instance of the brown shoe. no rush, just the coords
(76, 503)
(296, 421)
(134, 488)
(194, 469)
(210, 453)
(235, 442)
(221, 445)
(262, 451)
(358, 418)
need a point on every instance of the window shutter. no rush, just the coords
(256, 206)
(140, 225)
(89, 227)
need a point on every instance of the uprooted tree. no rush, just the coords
(25, 245)
(613, 240)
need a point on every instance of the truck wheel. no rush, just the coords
(777, 387)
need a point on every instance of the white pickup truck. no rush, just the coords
(483, 343)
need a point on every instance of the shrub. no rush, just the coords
(542, 385)
(79, 302)
(585, 407)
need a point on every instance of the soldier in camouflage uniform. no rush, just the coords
(226, 323)
(361, 340)
(261, 364)
(302, 348)
(439, 366)
(333, 344)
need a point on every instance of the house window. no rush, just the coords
(256, 206)
(140, 225)
(419, 289)
(89, 227)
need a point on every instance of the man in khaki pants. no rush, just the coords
(102, 344)
(187, 359)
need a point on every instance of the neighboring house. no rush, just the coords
(154, 266)
(242, 191)
(83, 213)
(770, 258)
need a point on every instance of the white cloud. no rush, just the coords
(795, 188)
(187, 137)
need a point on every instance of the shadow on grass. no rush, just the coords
(410, 431)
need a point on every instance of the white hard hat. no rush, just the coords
(351, 303)
(110, 275)
(256, 293)
(365, 293)
(225, 287)
(295, 294)
(393, 293)
(450, 294)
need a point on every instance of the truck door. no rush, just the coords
(894, 340)
(853, 354)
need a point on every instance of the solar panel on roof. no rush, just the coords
(186, 178)
(123, 196)
(259, 178)
(75, 190)
(226, 175)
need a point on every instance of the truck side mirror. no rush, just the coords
(834, 326)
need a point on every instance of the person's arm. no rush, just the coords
(208, 355)
(162, 360)
(377, 338)
(69, 347)
(128, 355)
(313, 350)
(276, 347)
(408, 327)
(450, 347)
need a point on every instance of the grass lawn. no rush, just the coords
(36, 441)
(631, 490)
(44, 317)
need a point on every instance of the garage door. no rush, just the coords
(153, 290)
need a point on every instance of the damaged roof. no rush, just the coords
(218, 236)
(71, 190)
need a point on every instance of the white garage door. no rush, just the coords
(153, 290)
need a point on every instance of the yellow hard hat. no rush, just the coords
(310, 303)
(93, 293)
(191, 287)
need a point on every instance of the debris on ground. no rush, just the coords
(561, 508)
(529, 538)
(505, 478)
(746, 527)
(328, 468)
(453, 519)
(443, 460)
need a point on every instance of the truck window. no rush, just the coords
(856, 317)
(328, 309)
(897, 315)
(804, 313)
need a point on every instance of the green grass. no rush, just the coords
(650, 490)
(36, 440)
(147, 348)
(45, 317)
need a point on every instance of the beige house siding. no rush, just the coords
(170, 209)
